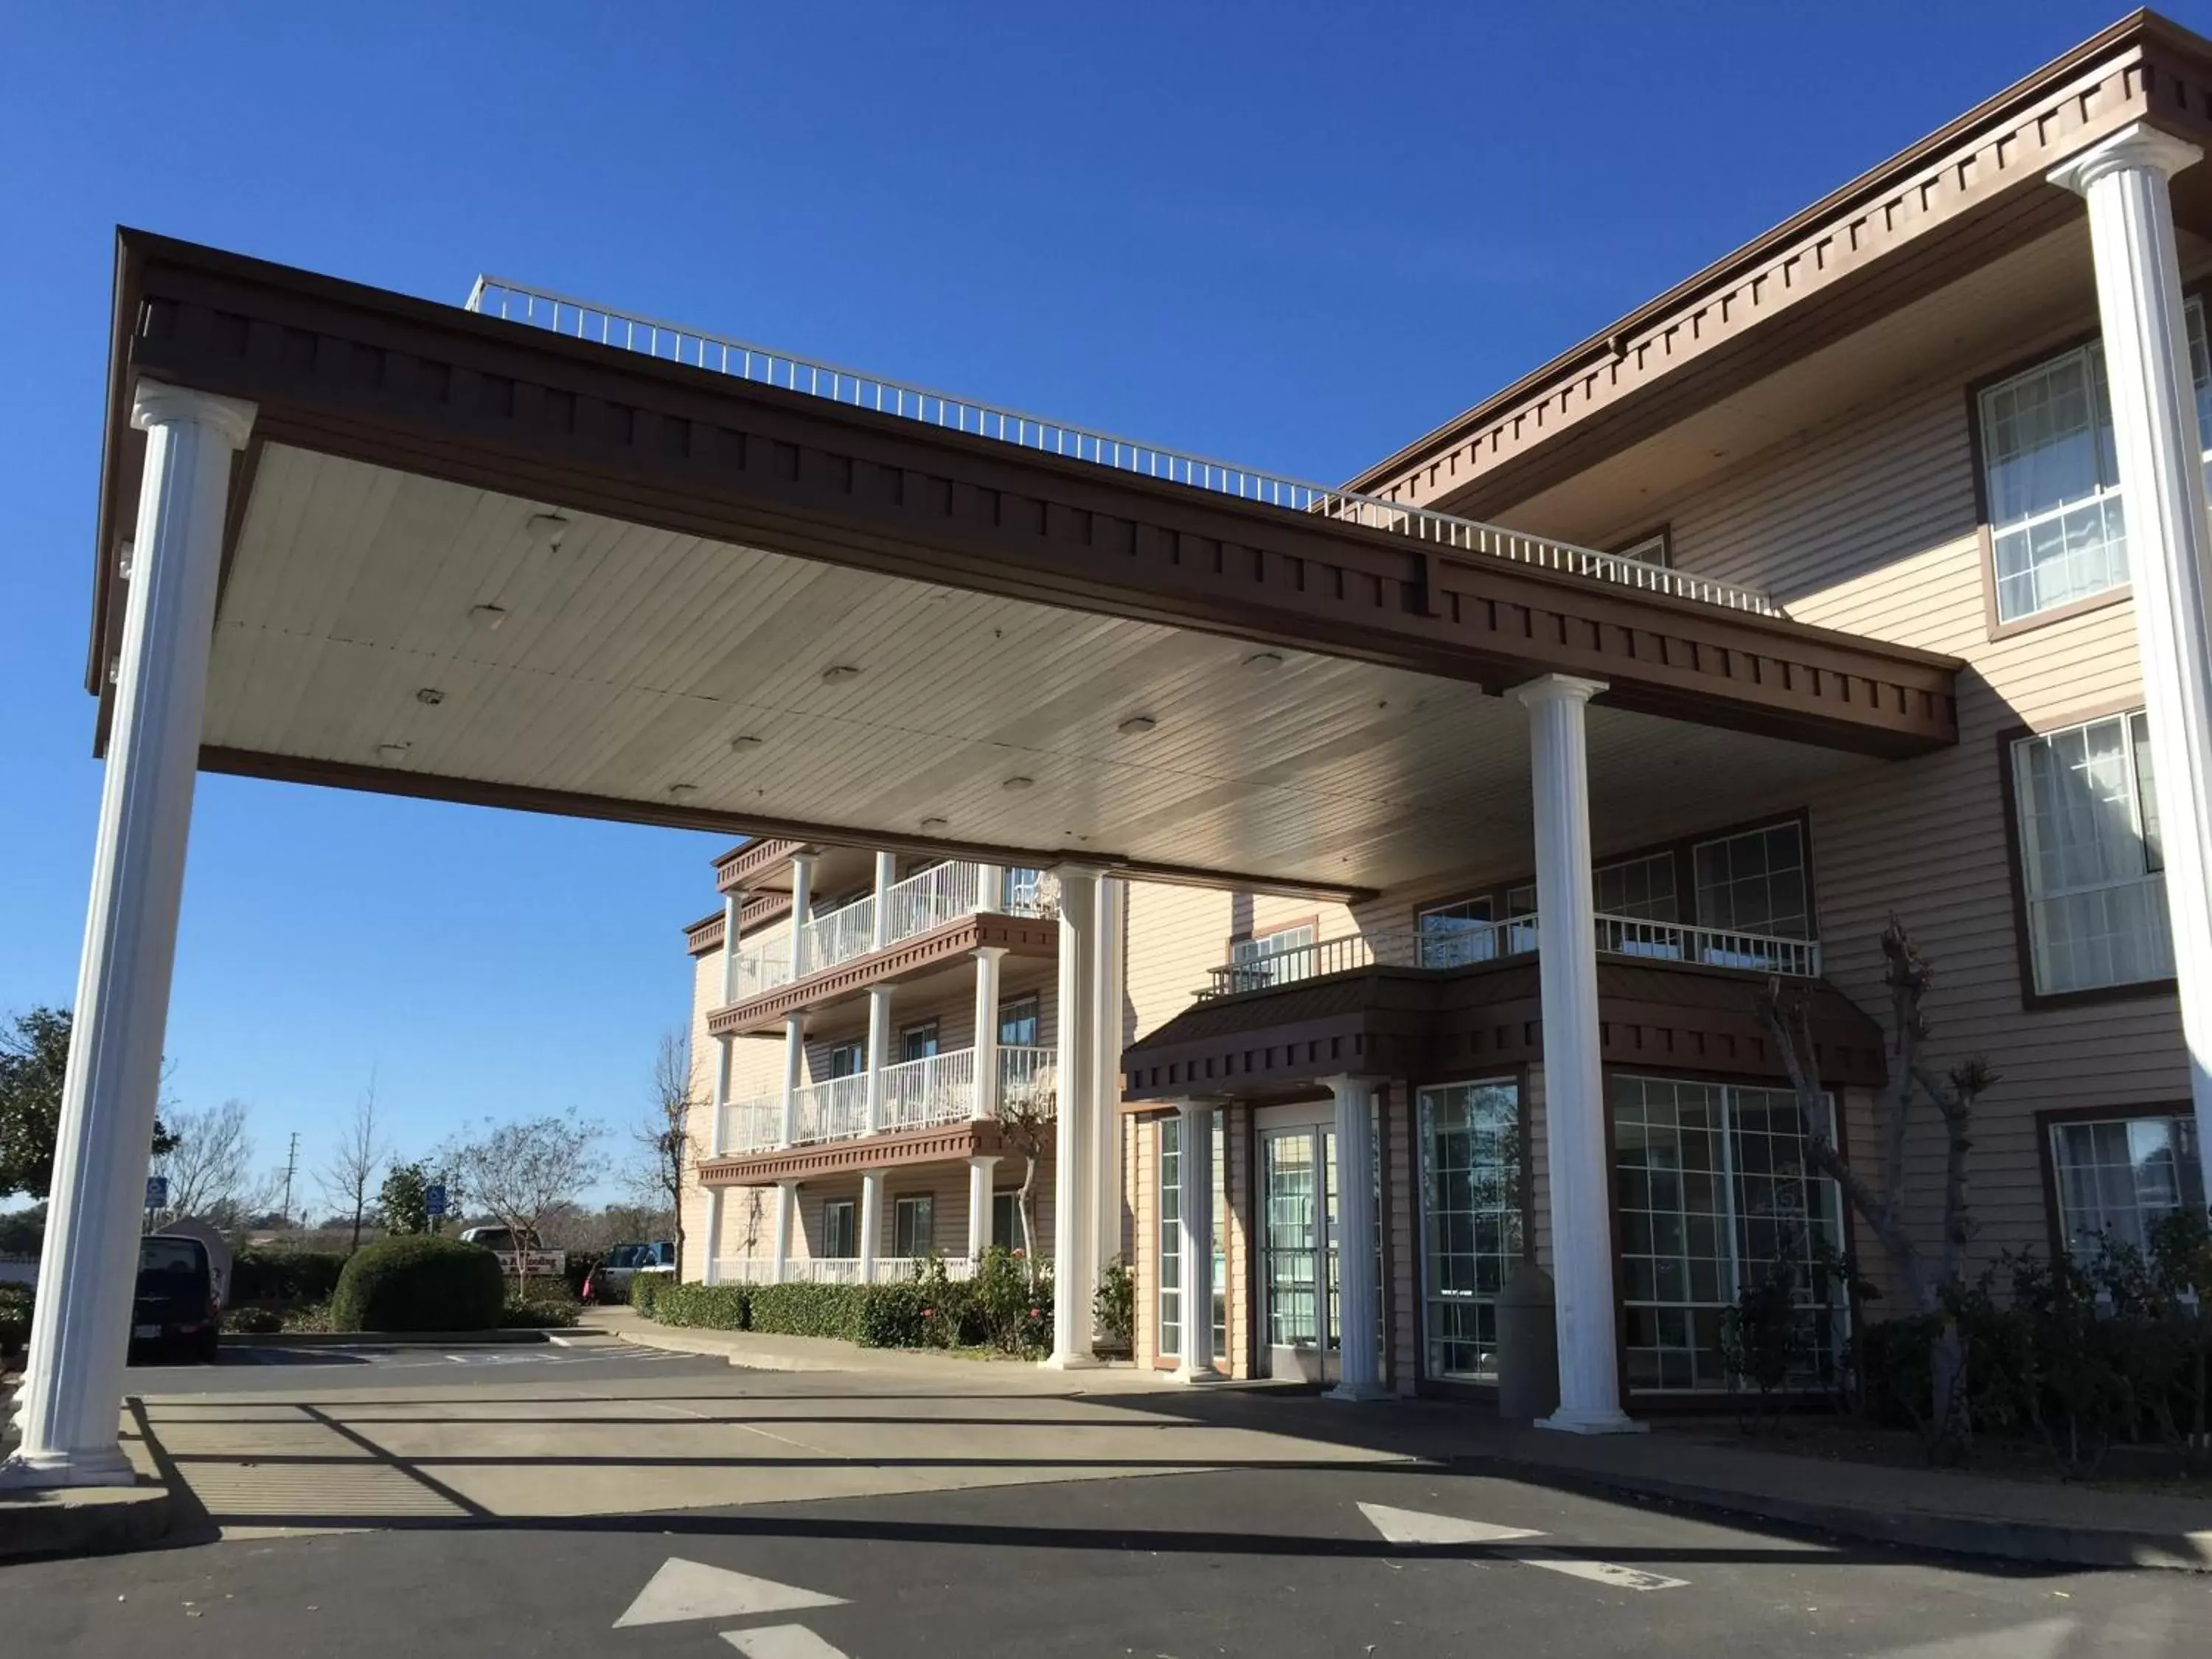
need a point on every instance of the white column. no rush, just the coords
(1106, 1068)
(73, 1383)
(733, 903)
(990, 886)
(979, 1171)
(794, 1067)
(1194, 1240)
(1574, 1082)
(886, 879)
(872, 1222)
(879, 1051)
(2158, 446)
(712, 1272)
(1074, 1268)
(987, 1030)
(802, 904)
(1358, 1312)
(786, 1216)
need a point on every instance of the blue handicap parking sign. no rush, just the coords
(434, 1198)
(157, 1191)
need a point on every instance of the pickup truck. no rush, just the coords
(610, 1279)
(532, 1256)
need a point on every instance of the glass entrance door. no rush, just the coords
(1298, 1276)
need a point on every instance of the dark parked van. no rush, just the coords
(176, 1305)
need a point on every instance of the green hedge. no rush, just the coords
(998, 1309)
(14, 1316)
(644, 1288)
(419, 1284)
(273, 1275)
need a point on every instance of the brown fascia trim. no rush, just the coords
(741, 865)
(940, 1144)
(347, 371)
(1021, 936)
(672, 815)
(1964, 174)
(706, 933)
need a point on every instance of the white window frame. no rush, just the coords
(903, 1208)
(1167, 1299)
(2103, 503)
(850, 1209)
(2036, 901)
(2087, 1211)
(1258, 960)
(1804, 928)
(1435, 1299)
(1458, 932)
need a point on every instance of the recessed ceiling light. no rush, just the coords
(934, 823)
(547, 529)
(487, 615)
(745, 742)
(1264, 661)
(1018, 784)
(680, 790)
(429, 696)
(837, 672)
(1136, 725)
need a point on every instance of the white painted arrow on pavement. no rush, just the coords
(688, 1589)
(1413, 1527)
(781, 1642)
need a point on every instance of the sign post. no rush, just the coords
(433, 1203)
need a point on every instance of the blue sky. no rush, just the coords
(1292, 235)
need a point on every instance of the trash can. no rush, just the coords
(1528, 1345)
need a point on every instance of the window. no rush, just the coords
(1714, 1194)
(1471, 1221)
(1453, 935)
(2091, 866)
(1170, 1308)
(914, 1225)
(1018, 1022)
(847, 1059)
(1022, 890)
(1754, 883)
(1007, 1221)
(2117, 1176)
(918, 1042)
(1654, 549)
(1268, 959)
(1643, 888)
(2051, 479)
(841, 1229)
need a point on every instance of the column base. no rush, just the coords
(1072, 1362)
(26, 1471)
(1612, 1422)
(1356, 1393)
(1198, 1379)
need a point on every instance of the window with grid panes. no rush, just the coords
(2092, 867)
(1471, 1221)
(1171, 1250)
(2117, 1176)
(1453, 935)
(1713, 1193)
(2058, 530)
(1272, 958)
(1755, 882)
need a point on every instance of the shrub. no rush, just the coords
(536, 1313)
(253, 1321)
(419, 1284)
(1114, 1306)
(273, 1275)
(702, 1307)
(14, 1316)
(806, 1310)
(891, 1316)
(643, 1289)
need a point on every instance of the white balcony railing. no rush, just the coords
(921, 903)
(584, 320)
(1479, 942)
(837, 936)
(751, 1126)
(834, 1110)
(938, 1089)
(760, 969)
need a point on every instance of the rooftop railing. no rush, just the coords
(583, 319)
(1471, 942)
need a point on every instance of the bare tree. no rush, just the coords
(357, 1166)
(524, 1172)
(209, 1164)
(663, 1134)
(1926, 1278)
(1025, 1117)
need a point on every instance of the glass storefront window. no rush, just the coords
(1471, 1220)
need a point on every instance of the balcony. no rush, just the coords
(920, 904)
(917, 1094)
(1474, 943)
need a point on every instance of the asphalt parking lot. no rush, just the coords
(540, 1502)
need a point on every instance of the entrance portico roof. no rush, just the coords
(473, 560)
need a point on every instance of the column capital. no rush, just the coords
(1068, 867)
(2137, 145)
(157, 404)
(1343, 1081)
(788, 1184)
(809, 860)
(984, 1161)
(1555, 688)
(988, 952)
